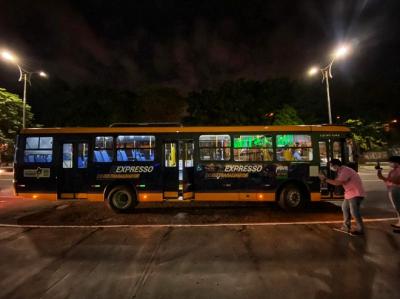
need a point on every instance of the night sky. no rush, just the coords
(192, 45)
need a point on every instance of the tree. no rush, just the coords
(11, 119)
(248, 102)
(368, 136)
(159, 104)
(287, 115)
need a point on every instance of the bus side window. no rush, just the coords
(294, 147)
(323, 153)
(350, 150)
(103, 149)
(215, 147)
(170, 154)
(337, 150)
(186, 151)
(82, 155)
(253, 148)
(135, 148)
(67, 155)
(38, 150)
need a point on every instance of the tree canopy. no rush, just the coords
(368, 135)
(11, 121)
(254, 102)
(287, 115)
(11, 115)
(56, 103)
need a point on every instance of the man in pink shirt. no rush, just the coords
(353, 194)
(392, 182)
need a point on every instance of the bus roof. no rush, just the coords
(188, 129)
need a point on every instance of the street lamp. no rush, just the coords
(326, 71)
(24, 75)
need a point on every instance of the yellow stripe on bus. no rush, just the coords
(159, 196)
(315, 196)
(200, 129)
(150, 196)
(32, 195)
(235, 196)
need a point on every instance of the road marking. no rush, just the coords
(372, 180)
(5, 225)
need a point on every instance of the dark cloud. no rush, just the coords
(195, 44)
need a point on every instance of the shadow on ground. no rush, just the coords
(84, 213)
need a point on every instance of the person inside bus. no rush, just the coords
(287, 154)
(392, 181)
(265, 155)
(296, 154)
(353, 194)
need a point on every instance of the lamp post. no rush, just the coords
(326, 72)
(25, 76)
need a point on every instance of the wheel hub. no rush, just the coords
(121, 199)
(294, 198)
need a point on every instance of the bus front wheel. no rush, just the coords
(121, 199)
(292, 198)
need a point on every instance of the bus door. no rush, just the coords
(324, 158)
(330, 149)
(178, 171)
(73, 171)
(337, 152)
(186, 169)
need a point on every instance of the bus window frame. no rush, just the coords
(116, 149)
(200, 160)
(313, 147)
(37, 149)
(113, 160)
(273, 147)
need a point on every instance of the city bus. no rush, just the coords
(128, 164)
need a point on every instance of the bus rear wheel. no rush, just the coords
(292, 198)
(121, 199)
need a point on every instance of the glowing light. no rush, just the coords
(313, 70)
(269, 114)
(394, 121)
(43, 74)
(6, 55)
(341, 51)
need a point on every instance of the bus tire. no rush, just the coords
(292, 198)
(122, 199)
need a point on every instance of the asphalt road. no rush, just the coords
(185, 252)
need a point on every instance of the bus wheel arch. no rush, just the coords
(292, 195)
(121, 197)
